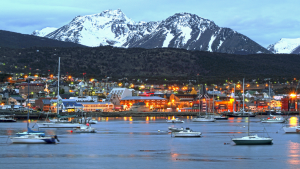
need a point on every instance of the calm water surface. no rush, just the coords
(136, 143)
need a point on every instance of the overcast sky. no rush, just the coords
(264, 21)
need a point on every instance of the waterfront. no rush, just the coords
(134, 142)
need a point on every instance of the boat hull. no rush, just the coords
(273, 121)
(33, 140)
(8, 121)
(58, 125)
(295, 129)
(203, 120)
(236, 115)
(252, 142)
(190, 134)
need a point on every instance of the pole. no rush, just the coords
(243, 96)
(213, 99)
(58, 86)
(28, 106)
(199, 98)
(233, 98)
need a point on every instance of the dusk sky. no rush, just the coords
(264, 21)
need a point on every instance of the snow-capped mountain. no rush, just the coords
(44, 31)
(182, 30)
(284, 45)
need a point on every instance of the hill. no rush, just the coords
(159, 64)
(18, 40)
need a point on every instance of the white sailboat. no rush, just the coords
(273, 119)
(58, 123)
(206, 118)
(32, 137)
(251, 139)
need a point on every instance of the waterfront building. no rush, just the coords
(152, 102)
(97, 106)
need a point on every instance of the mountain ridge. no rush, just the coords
(181, 30)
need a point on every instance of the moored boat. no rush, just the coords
(7, 118)
(175, 120)
(252, 140)
(84, 129)
(173, 129)
(186, 133)
(273, 119)
(33, 139)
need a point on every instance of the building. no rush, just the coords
(152, 102)
(97, 106)
(33, 88)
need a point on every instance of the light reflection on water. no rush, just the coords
(137, 142)
(293, 121)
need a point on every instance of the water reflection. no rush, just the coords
(294, 153)
(293, 121)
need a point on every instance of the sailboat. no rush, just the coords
(206, 118)
(251, 139)
(58, 123)
(31, 136)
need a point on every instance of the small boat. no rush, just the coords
(88, 120)
(84, 129)
(219, 117)
(241, 114)
(186, 133)
(173, 129)
(176, 120)
(273, 119)
(31, 132)
(34, 139)
(252, 140)
(204, 119)
(293, 129)
(7, 118)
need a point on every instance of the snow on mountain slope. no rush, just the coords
(285, 45)
(44, 31)
(182, 30)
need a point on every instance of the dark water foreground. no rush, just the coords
(124, 142)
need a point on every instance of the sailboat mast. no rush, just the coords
(199, 98)
(58, 86)
(243, 96)
(28, 106)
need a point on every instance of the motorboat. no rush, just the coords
(219, 117)
(273, 119)
(31, 132)
(204, 119)
(241, 113)
(175, 120)
(7, 118)
(84, 129)
(186, 133)
(34, 139)
(292, 129)
(173, 129)
(252, 140)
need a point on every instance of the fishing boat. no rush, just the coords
(58, 123)
(175, 120)
(252, 139)
(7, 118)
(186, 133)
(273, 119)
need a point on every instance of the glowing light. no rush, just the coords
(293, 95)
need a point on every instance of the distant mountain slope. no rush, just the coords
(284, 45)
(17, 40)
(44, 31)
(296, 50)
(182, 30)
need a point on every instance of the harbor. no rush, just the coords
(146, 141)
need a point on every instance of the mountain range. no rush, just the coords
(286, 45)
(182, 30)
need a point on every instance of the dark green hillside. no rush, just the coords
(149, 63)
